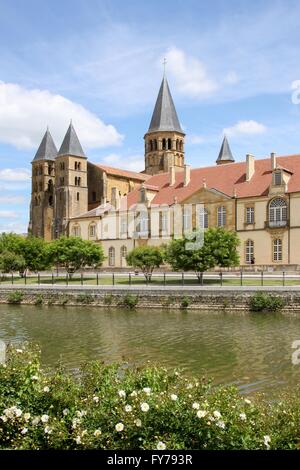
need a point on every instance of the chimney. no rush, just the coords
(273, 161)
(172, 175)
(115, 198)
(204, 183)
(187, 174)
(250, 166)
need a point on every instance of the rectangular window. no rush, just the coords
(277, 178)
(123, 225)
(221, 216)
(187, 219)
(277, 250)
(164, 222)
(250, 215)
(77, 196)
(92, 230)
(249, 253)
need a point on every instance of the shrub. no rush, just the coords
(129, 301)
(108, 299)
(84, 298)
(185, 302)
(15, 297)
(261, 301)
(116, 407)
(39, 300)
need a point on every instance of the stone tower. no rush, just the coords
(225, 155)
(42, 194)
(71, 191)
(164, 141)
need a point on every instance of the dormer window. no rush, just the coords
(277, 178)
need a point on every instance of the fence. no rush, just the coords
(181, 279)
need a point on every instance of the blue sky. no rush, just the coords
(231, 66)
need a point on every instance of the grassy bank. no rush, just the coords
(119, 407)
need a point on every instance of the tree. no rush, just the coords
(32, 249)
(11, 262)
(73, 253)
(219, 249)
(145, 258)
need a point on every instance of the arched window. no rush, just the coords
(150, 145)
(77, 197)
(155, 144)
(177, 144)
(111, 256)
(92, 230)
(50, 186)
(123, 252)
(50, 201)
(169, 144)
(221, 216)
(164, 144)
(277, 250)
(278, 212)
(249, 251)
(181, 146)
(202, 217)
(76, 230)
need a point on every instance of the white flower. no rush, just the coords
(161, 446)
(35, 377)
(122, 393)
(133, 394)
(26, 416)
(119, 427)
(145, 407)
(46, 389)
(128, 408)
(196, 406)
(19, 351)
(78, 440)
(220, 424)
(217, 414)
(4, 419)
(189, 386)
(247, 401)
(35, 421)
(47, 430)
(174, 397)
(97, 433)
(147, 390)
(65, 412)
(243, 416)
(45, 419)
(24, 431)
(96, 399)
(138, 423)
(267, 441)
(201, 413)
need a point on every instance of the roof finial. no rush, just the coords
(164, 64)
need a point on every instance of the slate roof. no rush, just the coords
(225, 154)
(47, 149)
(71, 144)
(164, 116)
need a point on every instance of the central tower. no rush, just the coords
(164, 141)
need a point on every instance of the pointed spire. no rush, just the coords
(71, 144)
(225, 155)
(164, 116)
(47, 149)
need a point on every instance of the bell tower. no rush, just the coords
(42, 193)
(164, 141)
(71, 191)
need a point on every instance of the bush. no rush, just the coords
(108, 299)
(15, 297)
(129, 301)
(84, 298)
(118, 407)
(39, 299)
(261, 301)
(185, 302)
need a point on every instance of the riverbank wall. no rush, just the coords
(196, 298)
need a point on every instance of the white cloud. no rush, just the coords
(231, 78)
(245, 127)
(17, 227)
(190, 75)
(12, 200)
(25, 114)
(9, 214)
(15, 174)
(132, 162)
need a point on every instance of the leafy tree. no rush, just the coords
(11, 262)
(73, 253)
(32, 249)
(145, 258)
(219, 249)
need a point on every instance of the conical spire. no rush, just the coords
(164, 116)
(225, 155)
(47, 149)
(71, 144)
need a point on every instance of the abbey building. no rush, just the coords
(258, 198)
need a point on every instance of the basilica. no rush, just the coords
(257, 198)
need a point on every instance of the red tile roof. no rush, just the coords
(119, 172)
(228, 178)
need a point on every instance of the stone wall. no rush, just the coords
(201, 298)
